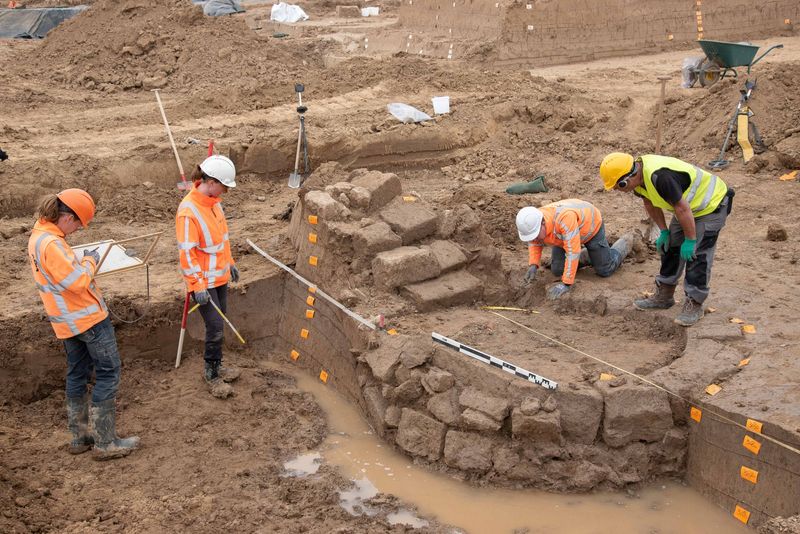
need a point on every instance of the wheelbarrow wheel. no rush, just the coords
(709, 73)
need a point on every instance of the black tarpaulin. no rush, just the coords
(33, 23)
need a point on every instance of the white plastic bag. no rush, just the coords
(689, 70)
(284, 12)
(406, 113)
(371, 11)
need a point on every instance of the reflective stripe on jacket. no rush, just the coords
(71, 299)
(568, 224)
(203, 245)
(704, 194)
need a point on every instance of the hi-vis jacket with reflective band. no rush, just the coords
(203, 246)
(704, 194)
(72, 301)
(568, 224)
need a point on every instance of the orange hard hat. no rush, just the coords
(80, 202)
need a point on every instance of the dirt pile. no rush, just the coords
(776, 105)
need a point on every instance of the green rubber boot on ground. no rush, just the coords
(107, 445)
(78, 424)
(662, 299)
(691, 313)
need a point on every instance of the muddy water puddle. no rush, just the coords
(662, 508)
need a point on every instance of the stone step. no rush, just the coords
(412, 221)
(451, 289)
(404, 265)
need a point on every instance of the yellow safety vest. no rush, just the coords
(705, 191)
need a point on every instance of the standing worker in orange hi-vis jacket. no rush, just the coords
(567, 225)
(205, 256)
(79, 317)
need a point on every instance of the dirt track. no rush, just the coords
(208, 465)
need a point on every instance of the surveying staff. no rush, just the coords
(205, 257)
(79, 317)
(566, 226)
(700, 203)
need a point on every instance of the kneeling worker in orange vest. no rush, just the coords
(79, 316)
(206, 260)
(700, 203)
(566, 226)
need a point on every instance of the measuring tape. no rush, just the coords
(494, 362)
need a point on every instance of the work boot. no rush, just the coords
(107, 445)
(78, 424)
(623, 245)
(216, 381)
(691, 313)
(662, 299)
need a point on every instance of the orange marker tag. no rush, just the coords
(304, 333)
(754, 426)
(312, 289)
(323, 375)
(787, 22)
(749, 328)
(750, 475)
(736, 320)
(741, 514)
(312, 260)
(392, 332)
(751, 445)
(312, 219)
(410, 198)
(744, 362)
(713, 389)
(310, 300)
(312, 238)
(605, 377)
(294, 354)
(696, 414)
(309, 314)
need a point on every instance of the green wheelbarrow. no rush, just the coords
(722, 58)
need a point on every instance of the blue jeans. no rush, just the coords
(95, 349)
(604, 259)
(214, 324)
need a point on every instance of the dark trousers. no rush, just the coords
(93, 350)
(605, 260)
(698, 271)
(214, 323)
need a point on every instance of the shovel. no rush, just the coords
(295, 179)
(183, 185)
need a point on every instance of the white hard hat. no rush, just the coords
(220, 168)
(529, 222)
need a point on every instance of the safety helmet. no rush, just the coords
(529, 222)
(615, 166)
(220, 168)
(80, 202)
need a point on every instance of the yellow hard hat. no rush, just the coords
(615, 166)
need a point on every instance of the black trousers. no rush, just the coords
(214, 323)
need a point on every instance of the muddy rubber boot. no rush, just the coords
(78, 424)
(623, 245)
(662, 299)
(107, 445)
(216, 384)
(691, 313)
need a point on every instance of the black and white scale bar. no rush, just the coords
(494, 362)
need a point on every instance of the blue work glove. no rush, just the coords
(557, 290)
(662, 243)
(234, 274)
(531, 274)
(687, 250)
(202, 297)
(92, 254)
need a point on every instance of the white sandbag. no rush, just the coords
(406, 113)
(371, 11)
(289, 13)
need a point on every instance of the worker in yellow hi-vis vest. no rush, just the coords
(700, 203)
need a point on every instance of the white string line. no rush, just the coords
(650, 382)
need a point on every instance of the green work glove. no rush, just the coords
(557, 290)
(531, 274)
(662, 243)
(687, 250)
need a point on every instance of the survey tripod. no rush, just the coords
(747, 134)
(296, 178)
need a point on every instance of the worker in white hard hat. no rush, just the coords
(205, 257)
(568, 225)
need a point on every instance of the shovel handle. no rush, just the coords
(169, 134)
